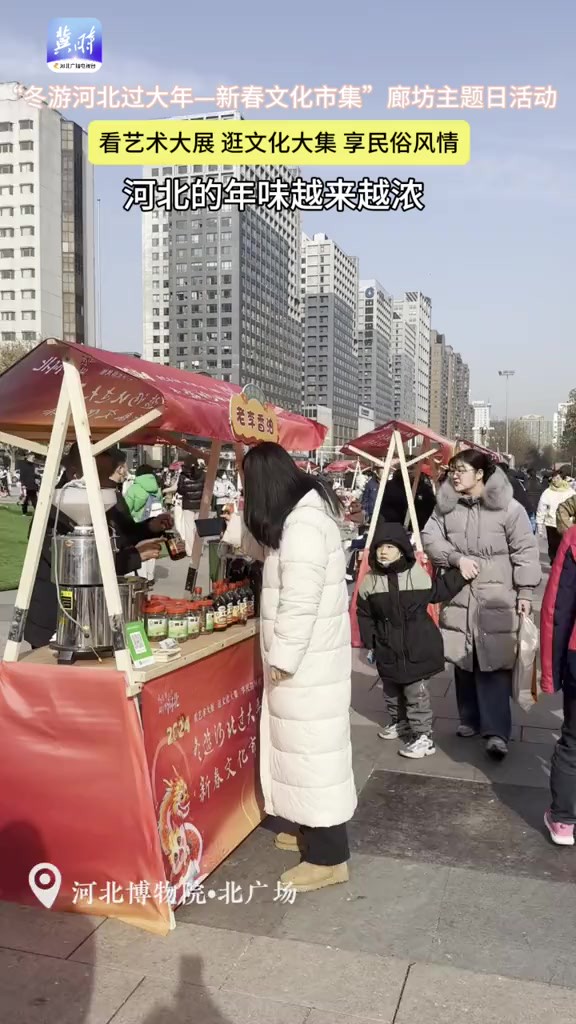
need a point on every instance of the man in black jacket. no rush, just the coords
(190, 488)
(29, 481)
(394, 507)
(135, 541)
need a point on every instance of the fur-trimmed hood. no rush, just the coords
(497, 495)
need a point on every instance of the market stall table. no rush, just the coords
(128, 785)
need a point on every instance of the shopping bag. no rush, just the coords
(524, 676)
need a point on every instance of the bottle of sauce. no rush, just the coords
(175, 545)
(220, 610)
(250, 610)
(208, 616)
(242, 604)
(230, 609)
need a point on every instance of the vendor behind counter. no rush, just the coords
(136, 542)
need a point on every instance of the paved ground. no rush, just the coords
(458, 909)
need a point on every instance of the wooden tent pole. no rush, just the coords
(206, 500)
(39, 525)
(99, 522)
(408, 490)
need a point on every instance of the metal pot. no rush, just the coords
(75, 559)
(133, 590)
(87, 605)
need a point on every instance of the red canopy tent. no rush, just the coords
(344, 466)
(495, 456)
(119, 389)
(377, 442)
(381, 446)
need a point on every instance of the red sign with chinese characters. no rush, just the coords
(201, 740)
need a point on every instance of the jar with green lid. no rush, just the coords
(156, 621)
(178, 621)
(193, 621)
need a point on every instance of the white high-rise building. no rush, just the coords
(46, 225)
(481, 426)
(403, 369)
(415, 309)
(222, 289)
(559, 424)
(537, 429)
(329, 310)
(373, 344)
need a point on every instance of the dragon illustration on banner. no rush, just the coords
(180, 839)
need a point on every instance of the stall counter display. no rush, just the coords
(169, 799)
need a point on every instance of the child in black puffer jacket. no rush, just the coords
(395, 624)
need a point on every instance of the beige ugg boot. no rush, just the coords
(308, 877)
(286, 841)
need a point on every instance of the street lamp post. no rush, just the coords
(507, 374)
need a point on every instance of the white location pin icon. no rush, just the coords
(45, 881)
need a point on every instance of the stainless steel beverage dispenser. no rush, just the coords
(83, 622)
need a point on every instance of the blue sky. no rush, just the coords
(495, 246)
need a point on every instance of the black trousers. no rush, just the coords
(326, 846)
(554, 539)
(30, 499)
(483, 700)
(563, 769)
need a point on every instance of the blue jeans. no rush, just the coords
(532, 518)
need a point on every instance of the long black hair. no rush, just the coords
(477, 460)
(273, 485)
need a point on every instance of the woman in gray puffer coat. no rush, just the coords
(479, 527)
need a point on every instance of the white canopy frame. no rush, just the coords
(71, 406)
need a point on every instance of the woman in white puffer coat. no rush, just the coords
(291, 524)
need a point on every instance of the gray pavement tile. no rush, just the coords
(450, 760)
(527, 764)
(213, 952)
(363, 768)
(319, 1017)
(442, 995)
(325, 979)
(176, 1002)
(42, 931)
(43, 990)
(255, 860)
(389, 907)
(458, 824)
(530, 735)
(448, 726)
(545, 714)
(520, 927)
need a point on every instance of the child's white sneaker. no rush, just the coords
(395, 731)
(420, 746)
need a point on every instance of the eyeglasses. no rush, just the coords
(459, 470)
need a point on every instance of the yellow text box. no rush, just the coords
(279, 143)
